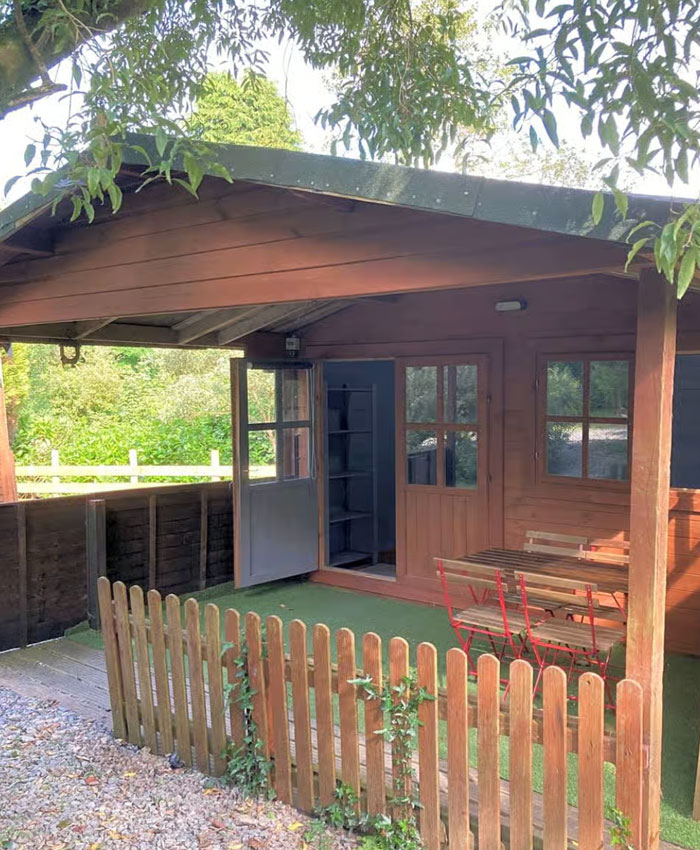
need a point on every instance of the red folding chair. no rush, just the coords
(582, 644)
(488, 617)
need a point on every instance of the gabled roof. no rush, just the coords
(547, 208)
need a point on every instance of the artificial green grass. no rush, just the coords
(314, 603)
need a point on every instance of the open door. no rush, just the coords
(275, 488)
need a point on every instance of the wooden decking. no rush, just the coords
(74, 675)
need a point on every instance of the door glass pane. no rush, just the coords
(296, 451)
(607, 452)
(565, 448)
(295, 395)
(261, 396)
(421, 393)
(461, 458)
(421, 457)
(564, 388)
(460, 393)
(262, 455)
(609, 393)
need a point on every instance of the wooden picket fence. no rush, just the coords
(167, 692)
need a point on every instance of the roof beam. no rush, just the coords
(209, 321)
(260, 318)
(83, 330)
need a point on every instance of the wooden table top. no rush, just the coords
(610, 578)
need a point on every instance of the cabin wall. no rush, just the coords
(574, 316)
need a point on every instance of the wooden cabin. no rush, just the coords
(411, 325)
(453, 361)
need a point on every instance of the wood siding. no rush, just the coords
(561, 316)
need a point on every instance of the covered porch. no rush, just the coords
(448, 302)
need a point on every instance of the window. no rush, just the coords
(685, 456)
(441, 433)
(279, 423)
(586, 418)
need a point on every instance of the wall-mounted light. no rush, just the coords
(292, 344)
(511, 306)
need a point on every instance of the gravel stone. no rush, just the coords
(67, 784)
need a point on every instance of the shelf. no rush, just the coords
(339, 559)
(349, 431)
(352, 474)
(347, 516)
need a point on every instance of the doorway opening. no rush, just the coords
(359, 463)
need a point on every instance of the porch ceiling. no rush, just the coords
(198, 329)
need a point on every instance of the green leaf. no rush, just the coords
(686, 270)
(621, 202)
(161, 141)
(534, 138)
(29, 154)
(550, 125)
(634, 250)
(597, 207)
(11, 182)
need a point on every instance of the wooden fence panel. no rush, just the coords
(158, 653)
(458, 748)
(347, 699)
(323, 696)
(143, 666)
(302, 715)
(374, 722)
(488, 699)
(590, 761)
(428, 755)
(278, 707)
(177, 671)
(555, 778)
(520, 756)
(217, 721)
(160, 670)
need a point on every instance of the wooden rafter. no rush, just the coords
(84, 330)
(209, 321)
(258, 319)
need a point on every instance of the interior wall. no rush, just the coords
(573, 316)
(380, 373)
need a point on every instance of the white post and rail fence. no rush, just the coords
(55, 478)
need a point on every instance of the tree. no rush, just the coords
(248, 113)
(406, 85)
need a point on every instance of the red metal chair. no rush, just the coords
(585, 644)
(489, 617)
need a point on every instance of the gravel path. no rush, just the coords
(66, 784)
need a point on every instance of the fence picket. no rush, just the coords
(488, 698)
(160, 671)
(256, 677)
(629, 758)
(458, 749)
(374, 722)
(590, 761)
(232, 627)
(212, 627)
(323, 702)
(126, 663)
(196, 676)
(143, 665)
(302, 715)
(555, 806)
(347, 698)
(398, 671)
(520, 764)
(278, 707)
(114, 675)
(428, 757)
(177, 671)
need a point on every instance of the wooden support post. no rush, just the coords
(96, 550)
(22, 580)
(8, 481)
(649, 506)
(203, 537)
(152, 542)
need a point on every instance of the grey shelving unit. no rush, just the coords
(352, 530)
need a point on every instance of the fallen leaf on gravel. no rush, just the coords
(92, 780)
(294, 826)
(129, 773)
(255, 844)
(233, 846)
(209, 791)
(95, 845)
(117, 836)
(218, 824)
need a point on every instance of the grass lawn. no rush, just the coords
(315, 603)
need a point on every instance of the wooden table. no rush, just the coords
(609, 578)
